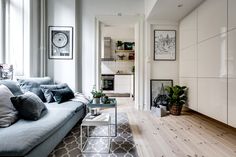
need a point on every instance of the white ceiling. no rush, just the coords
(169, 10)
(122, 21)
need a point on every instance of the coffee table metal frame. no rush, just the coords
(113, 104)
(90, 122)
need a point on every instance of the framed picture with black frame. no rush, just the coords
(164, 45)
(60, 44)
(155, 87)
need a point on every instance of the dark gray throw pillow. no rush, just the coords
(62, 95)
(33, 85)
(29, 106)
(8, 114)
(13, 86)
(47, 90)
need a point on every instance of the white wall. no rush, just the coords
(125, 34)
(62, 13)
(207, 59)
(87, 17)
(165, 69)
(159, 69)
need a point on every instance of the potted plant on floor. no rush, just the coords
(97, 94)
(177, 97)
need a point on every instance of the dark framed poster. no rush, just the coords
(155, 87)
(60, 42)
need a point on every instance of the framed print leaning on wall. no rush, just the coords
(156, 86)
(165, 45)
(60, 42)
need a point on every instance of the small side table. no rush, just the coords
(112, 104)
(101, 120)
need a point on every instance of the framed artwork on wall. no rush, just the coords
(164, 45)
(6, 71)
(60, 42)
(155, 88)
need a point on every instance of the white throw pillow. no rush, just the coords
(8, 114)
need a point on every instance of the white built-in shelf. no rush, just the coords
(124, 51)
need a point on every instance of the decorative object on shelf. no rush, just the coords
(106, 100)
(165, 45)
(177, 97)
(6, 71)
(156, 87)
(60, 42)
(128, 45)
(119, 45)
(95, 111)
(131, 56)
(97, 95)
(121, 57)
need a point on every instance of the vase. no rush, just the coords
(96, 100)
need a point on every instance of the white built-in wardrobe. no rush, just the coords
(208, 59)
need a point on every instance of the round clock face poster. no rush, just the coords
(60, 42)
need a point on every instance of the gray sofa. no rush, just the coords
(39, 138)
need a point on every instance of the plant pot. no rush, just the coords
(159, 112)
(96, 100)
(176, 109)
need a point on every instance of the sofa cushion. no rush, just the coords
(62, 95)
(23, 136)
(8, 114)
(29, 106)
(13, 86)
(33, 85)
(47, 90)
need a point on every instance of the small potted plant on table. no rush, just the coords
(97, 94)
(177, 97)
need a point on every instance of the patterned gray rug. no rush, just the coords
(122, 145)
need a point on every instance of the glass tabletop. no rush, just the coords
(111, 104)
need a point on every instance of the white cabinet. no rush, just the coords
(188, 30)
(212, 98)
(212, 57)
(231, 14)
(191, 83)
(232, 77)
(123, 83)
(212, 19)
(188, 62)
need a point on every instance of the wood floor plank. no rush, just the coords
(188, 135)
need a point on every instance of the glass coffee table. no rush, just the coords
(112, 104)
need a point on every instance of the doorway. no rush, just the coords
(119, 56)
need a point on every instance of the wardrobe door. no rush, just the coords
(232, 78)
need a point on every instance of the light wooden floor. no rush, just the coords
(188, 135)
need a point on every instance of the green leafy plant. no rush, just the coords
(119, 43)
(176, 95)
(97, 93)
